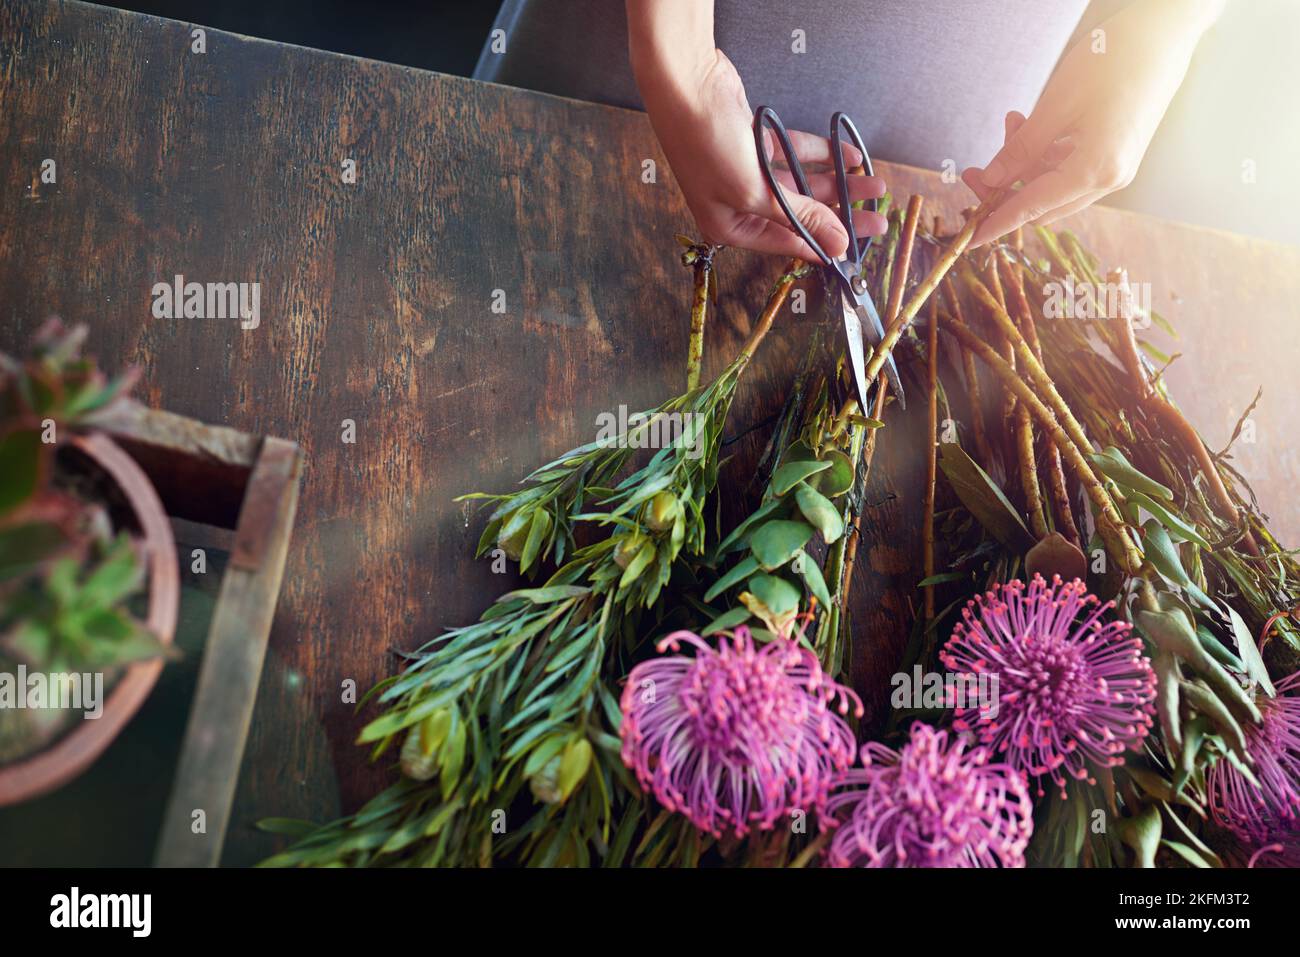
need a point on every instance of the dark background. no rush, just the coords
(442, 35)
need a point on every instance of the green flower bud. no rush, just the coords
(626, 549)
(545, 784)
(419, 758)
(514, 533)
(662, 511)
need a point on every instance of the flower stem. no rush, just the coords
(1036, 373)
(898, 324)
(931, 459)
(1172, 417)
(794, 269)
(1060, 495)
(1109, 523)
(866, 449)
(972, 380)
(702, 264)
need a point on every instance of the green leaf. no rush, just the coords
(983, 499)
(728, 619)
(21, 459)
(574, 766)
(286, 826)
(1169, 518)
(119, 576)
(1142, 833)
(1173, 631)
(1190, 855)
(488, 539)
(942, 578)
(452, 754)
(778, 541)
(22, 547)
(792, 473)
(1115, 466)
(1163, 553)
(837, 479)
(777, 594)
(742, 570)
(812, 577)
(117, 640)
(544, 596)
(1249, 653)
(538, 529)
(514, 533)
(756, 517)
(639, 563)
(819, 510)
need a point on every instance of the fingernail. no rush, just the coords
(994, 173)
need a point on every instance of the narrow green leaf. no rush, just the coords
(1115, 466)
(742, 570)
(812, 576)
(983, 499)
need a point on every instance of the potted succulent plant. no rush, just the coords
(89, 585)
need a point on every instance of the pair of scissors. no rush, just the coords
(844, 274)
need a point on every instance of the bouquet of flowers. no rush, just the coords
(1104, 611)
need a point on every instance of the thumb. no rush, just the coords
(821, 222)
(1021, 149)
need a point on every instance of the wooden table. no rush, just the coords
(377, 308)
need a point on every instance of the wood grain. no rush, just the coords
(376, 307)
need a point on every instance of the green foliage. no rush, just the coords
(74, 616)
(65, 584)
(514, 718)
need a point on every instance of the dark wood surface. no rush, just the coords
(376, 306)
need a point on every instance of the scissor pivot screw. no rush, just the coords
(859, 285)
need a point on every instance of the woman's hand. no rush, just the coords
(704, 123)
(1093, 123)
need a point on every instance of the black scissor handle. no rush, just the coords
(766, 116)
(841, 121)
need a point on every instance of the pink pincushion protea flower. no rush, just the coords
(1260, 813)
(932, 804)
(1278, 850)
(1071, 691)
(738, 736)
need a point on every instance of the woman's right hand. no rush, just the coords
(702, 117)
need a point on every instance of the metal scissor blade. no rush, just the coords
(858, 362)
(869, 320)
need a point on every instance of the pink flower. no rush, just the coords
(1259, 814)
(1073, 689)
(738, 736)
(932, 804)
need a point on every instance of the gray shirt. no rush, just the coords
(926, 81)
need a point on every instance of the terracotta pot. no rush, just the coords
(78, 748)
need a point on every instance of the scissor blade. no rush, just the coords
(853, 332)
(869, 320)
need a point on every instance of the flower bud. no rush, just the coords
(663, 511)
(514, 533)
(545, 784)
(420, 749)
(626, 549)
